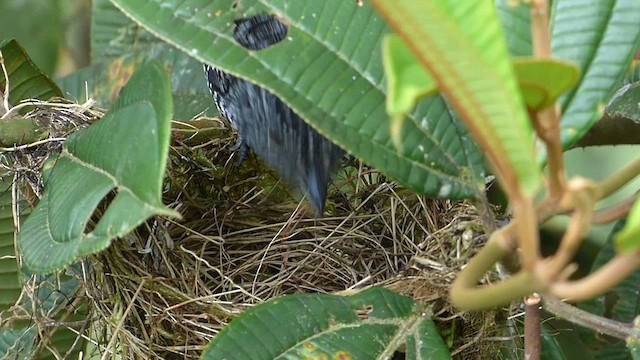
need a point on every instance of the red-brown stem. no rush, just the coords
(540, 29)
(532, 327)
(613, 213)
(546, 121)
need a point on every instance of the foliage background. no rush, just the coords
(56, 34)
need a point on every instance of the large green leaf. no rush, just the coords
(516, 22)
(318, 326)
(462, 46)
(26, 80)
(602, 38)
(108, 155)
(328, 70)
(543, 81)
(624, 104)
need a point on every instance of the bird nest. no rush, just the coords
(166, 289)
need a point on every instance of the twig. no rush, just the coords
(619, 179)
(597, 323)
(547, 121)
(532, 327)
(33, 144)
(114, 336)
(613, 213)
(466, 295)
(598, 282)
(5, 96)
(583, 201)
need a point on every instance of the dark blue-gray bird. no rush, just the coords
(265, 124)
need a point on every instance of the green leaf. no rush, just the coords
(425, 342)
(624, 104)
(632, 343)
(475, 74)
(550, 348)
(10, 283)
(628, 239)
(329, 71)
(601, 38)
(516, 25)
(26, 81)
(48, 295)
(407, 81)
(326, 326)
(542, 81)
(15, 131)
(108, 155)
(17, 343)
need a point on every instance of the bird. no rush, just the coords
(269, 127)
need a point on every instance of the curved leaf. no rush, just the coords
(628, 239)
(328, 70)
(108, 155)
(362, 326)
(602, 39)
(26, 81)
(407, 81)
(542, 81)
(475, 74)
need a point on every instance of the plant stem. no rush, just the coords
(613, 213)
(6, 107)
(466, 295)
(579, 224)
(532, 327)
(526, 225)
(597, 323)
(540, 29)
(547, 121)
(598, 282)
(486, 215)
(619, 179)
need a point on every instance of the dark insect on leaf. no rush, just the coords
(267, 125)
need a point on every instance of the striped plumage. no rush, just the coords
(267, 125)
